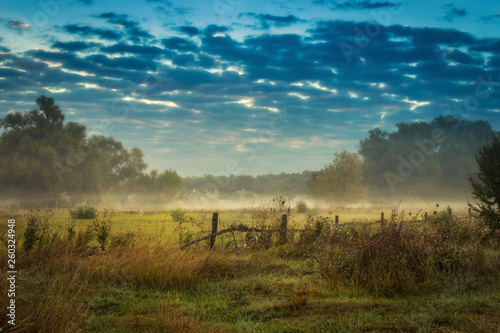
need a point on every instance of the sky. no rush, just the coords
(250, 87)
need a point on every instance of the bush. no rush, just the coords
(178, 215)
(102, 227)
(37, 228)
(301, 206)
(401, 258)
(122, 239)
(268, 217)
(70, 228)
(84, 237)
(83, 212)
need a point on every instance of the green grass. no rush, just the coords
(148, 286)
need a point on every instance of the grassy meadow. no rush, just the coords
(406, 275)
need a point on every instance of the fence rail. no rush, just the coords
(284, 227)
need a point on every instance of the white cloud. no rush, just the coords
(296, 94)
(149, 101)
(416, 104)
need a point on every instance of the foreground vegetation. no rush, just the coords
(114, 274)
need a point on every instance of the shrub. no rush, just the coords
(70, 228)
(178, 215)
(37, 228)
(122, 239)
(315, 229)
(102, 227)
(267, 217)
(84, 237)
(401, 257)
(301, 206)
(83, 212)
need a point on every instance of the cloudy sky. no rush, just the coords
(250, 87)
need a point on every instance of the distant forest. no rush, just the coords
(46, 161)
(426, 160)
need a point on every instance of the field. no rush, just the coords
(406, 275)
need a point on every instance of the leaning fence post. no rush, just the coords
(215, 221)
(283, 227)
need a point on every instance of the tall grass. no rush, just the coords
(399, 257)
(157, 267)
(59, 274)
(402, 257)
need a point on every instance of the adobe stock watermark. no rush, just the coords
(364, 35)
(407, 166)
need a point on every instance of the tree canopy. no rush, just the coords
(43, 158)
(423, 159)
(340, 181)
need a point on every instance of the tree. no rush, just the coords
(423, 159)
(486, 189)
(130, 173)
(341, 179)
(43, 157)
(112, 158)
(157, 188)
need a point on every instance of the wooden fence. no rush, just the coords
(283, 229)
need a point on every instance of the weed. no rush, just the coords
(102, 227)
(122, 239)
(84, 237)
(37, 229)
(70, 229)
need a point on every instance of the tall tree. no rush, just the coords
(112, 158)
(423, 159)
(341, 179)
(157, 189)
(486, 188)
(42, 156)
(130, 173)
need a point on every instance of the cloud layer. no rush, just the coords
(199, 97)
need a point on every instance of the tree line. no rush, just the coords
(46, 161)
(424, 159)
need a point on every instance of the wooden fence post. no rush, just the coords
(425, 216)
(215, 221)
(449, 211)
(336, 219)
(382, 217)
(470, 215)
(283, 228)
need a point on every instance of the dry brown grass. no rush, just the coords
(156, 267)
(57, 277)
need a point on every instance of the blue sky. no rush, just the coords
(250, 87)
